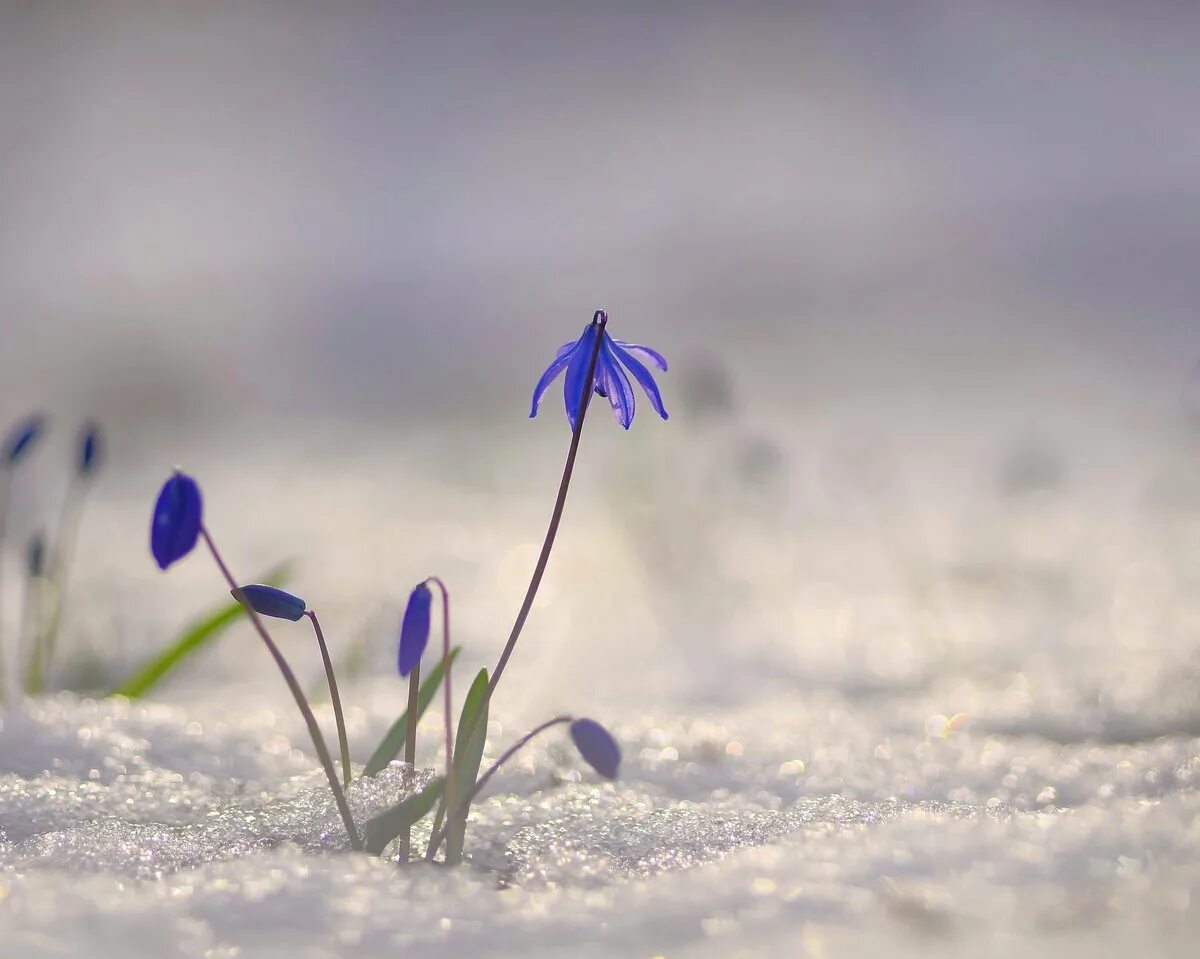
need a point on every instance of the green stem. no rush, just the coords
(410, 748)
(293, 684)
(334, 698)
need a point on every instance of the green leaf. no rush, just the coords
(389, 748)
(194, 637)
(388, 825)
(468, 754)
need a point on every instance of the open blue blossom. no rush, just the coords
(414, 630)
(610, 379)
(176, 523)
(596, 745)
(21, 440)
(271, 601)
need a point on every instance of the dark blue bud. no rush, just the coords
(22, 438)
(414, 630)
(597, 747)
(176, 523)
(271, 601)
(35, 556)
(91, 449)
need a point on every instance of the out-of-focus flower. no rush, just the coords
(91, 449)
(609, 379)
(22, 439)
(35, 556)
(414, 629)
(597, 747)
(176, 522)
(270, 601)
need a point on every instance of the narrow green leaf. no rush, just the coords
(468, 754)
(389, 748)
(388, 825)
(194, 637)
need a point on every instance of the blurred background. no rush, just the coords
(925, 273)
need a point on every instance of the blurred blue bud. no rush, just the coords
(35, 556)
(176, 523)
(270, 601)
(597, 747)
(414, 630)
(91, 449)
(22, 438)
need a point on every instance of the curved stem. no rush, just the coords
(410, 747)
(334, 698)
(339, 795)
(547, 544)
(435, 840)
(449, 794)
(556, 516)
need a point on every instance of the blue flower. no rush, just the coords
(21, 439)
(176, 523)
(91, 449)
(271, 601)
(414, 630)
(596, 745)
(610, 379)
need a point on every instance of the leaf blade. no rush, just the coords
(468, 754)
(382, 829)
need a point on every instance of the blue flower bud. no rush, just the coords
(271, 601)
(176, 523)
(597, 747)
(22, 438)
(35, 556)
(91, 449)
(414, 630)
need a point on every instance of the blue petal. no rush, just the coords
(414, 630)
(581, 359)
(91, 450)
(616, 385)
(652, 356)
(643, 376)
(597, 747)
(552, 371)
(271, 601)
(176, 523)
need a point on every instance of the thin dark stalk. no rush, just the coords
(547, 544)
(61, 557)
(449, 793)
(435, 840)
(410, 748)
(334, 698)
(289, 677)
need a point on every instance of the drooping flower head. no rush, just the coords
(609, 379)
(597, 746)
(414, 629)
(22, 439)
(176, 522)
(270, 601)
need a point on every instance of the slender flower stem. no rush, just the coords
(61, 554)
(449, 794)
(556, 517)
(436, 839)
(29, 631)
(547, 544)
(289, 677)
(410, 748)
(334, 698)
(10, 690)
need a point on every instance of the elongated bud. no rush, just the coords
(22, 439)
(91, 449)
(597, 747)
(175, 526)
(270, 601)
(414, 630)
(35, 556)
